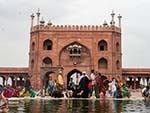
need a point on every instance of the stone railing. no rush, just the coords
(75, 28)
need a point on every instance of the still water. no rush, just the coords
(78, 106)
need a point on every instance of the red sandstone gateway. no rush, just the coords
(71, 49)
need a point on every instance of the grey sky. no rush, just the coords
(15, 25)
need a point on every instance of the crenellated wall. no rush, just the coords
(78, 28)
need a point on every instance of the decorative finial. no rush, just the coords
(38, 16)
(42, 21)
(105, 23)
(119, 18)
(32, 18)
(49, 22)
(112, 21)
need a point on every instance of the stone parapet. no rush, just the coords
(136, 71)
(76, 28)
(7, 70)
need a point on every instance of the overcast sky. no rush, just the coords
(15, 25)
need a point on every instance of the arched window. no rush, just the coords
(102, 63)
(33, 46)
(32, 63)
(47, 45)
(102, 45)
(47, 61)
(117, 46)
(117, 64)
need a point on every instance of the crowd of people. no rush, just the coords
(82, 85)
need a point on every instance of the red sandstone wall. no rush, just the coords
(88, 38)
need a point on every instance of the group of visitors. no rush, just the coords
(80, 85)
(96, 85)
(18, 91)
(117, 89)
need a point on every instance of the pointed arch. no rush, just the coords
(79, 51)
(47, 45)
(73, 73)
(102, 45)
(47, 61)
(102, 63)
(33, 46)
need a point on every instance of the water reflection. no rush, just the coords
(79, 106)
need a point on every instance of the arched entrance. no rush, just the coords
(45, 71)
(73, 74)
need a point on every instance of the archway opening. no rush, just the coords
(102, 45)
(33, 46)
(47, 45)
(73, 74)
(47, 61)
(102, 63)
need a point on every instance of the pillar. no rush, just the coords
(134, 83)
(15, 81)
(139, 79)
(3, 81)
(130, 82)
(147, 80)
(143, 81)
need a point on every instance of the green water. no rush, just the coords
(79, 106)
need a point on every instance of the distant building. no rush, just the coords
(73, 49)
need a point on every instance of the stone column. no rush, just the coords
(143, 81)
(3, 81)
(15, 81)
(139, 79)
(130, 82)
(134, 83)
(147, 80)
(6, 80)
